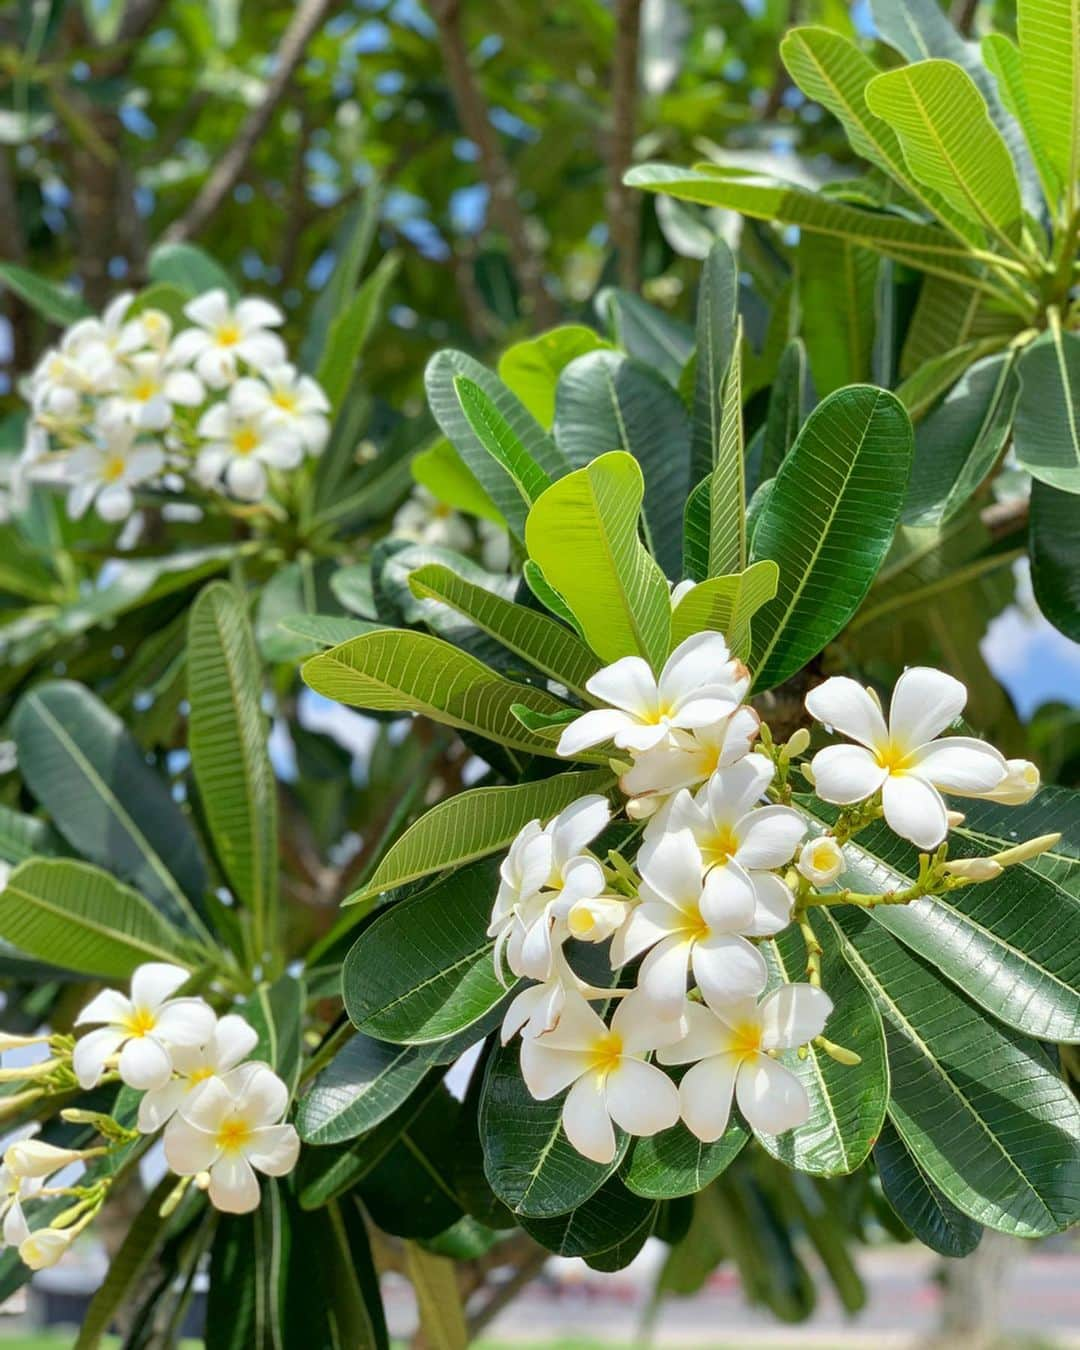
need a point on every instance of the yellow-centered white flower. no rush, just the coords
(606, 1071)
(699, 685)
(729, 1047)
(231, 1041)
(106, 471)
(226, 335)
(429, 521)
(1020, 784)
(687, 759)
(231, 1128)
(242, 446)
(902, 759)
(287, 399)
(821, 860)
(143, 1028)
(146, 390)
(44, 1248)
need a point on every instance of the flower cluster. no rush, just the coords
(723, 864)
(221, 1114)
(124, 403)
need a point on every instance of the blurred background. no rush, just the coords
(493, 134)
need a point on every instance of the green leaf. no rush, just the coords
(189, 269)
(276, 1011)
(717, 336)
(87, 771)
(828, 524)
(350, 331)
(315, 631)
(607, 401)
(52, 302)
(958, 444)
(549, 597)
(950, 143)
(1003, 59)
(696, 532)
(726, 605)
(608, 1221)
(922, 389)
(442, 1316)
(423, 970)
(785, 412)
(443, 472)
(675, 1162)
(365, 1082)
(1053, 810)
(918, 1203)
(410, 1191)
(531, 369)
(396, 671)
(229, 758)
(583, 535)
(727, 484)
(992, 1124)
(1049, 32)
(353, 588)
(541, 641)
(1055, 557)
(1046, 435)
(249, 1264)
(352, 244)
(332, 1293)
(472, 824)
(949, 316)
(73, 915)
(847, 1103)
(837, 280)
(648, 333)
(504, 447)
(23, 837)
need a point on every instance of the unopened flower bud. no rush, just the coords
(840, 1053)
(797, 743)
(954, 818)
(1020, 784)
(45, 1247)
(595, 920)
(821, 860)
(10, 1042)
(1031, 849)
(202, 1180)
(807, 772)
(35, 1158)
(974, 869)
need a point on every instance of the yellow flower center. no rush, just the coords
(141, 1022)
(695, 927)
(144, 390)
(233, 1134)
(285, 399)
(892, 756)
(746, 1039)
(113, 468)
(228, 335)
(606, 1052)
(199, 1076)
(822, 856)
(720, 846)
(581, 922)
(244, 441)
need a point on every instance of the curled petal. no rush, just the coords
(234, 1187)
(591, 728)
(91, 1052)
(698, 664)
(769, 836)
(914, 810)
(145, 1063)
(188, 1149)
(274, 1149)
(662, 978)
(727, 899)
(185, 1021)
(628, 684)
(705, 1036)
(773, 903)
(959, 764)
(577, 826)
(793, 1015)
(728, 969)
(108, 1006)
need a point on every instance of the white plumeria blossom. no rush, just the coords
(231, 1041)
(729, 1047)
(231, 1128)
(97, 344)
(699, 685)
(226, 334)
(902, 760)
(1020, 784)
(146, 390)
(44, 1248)
(821, 860)
(284, 398)
(143, 1028)
(606, 1071)
(545, 873)
(106, 471)
(687, 759)
(686, 925)
(427, 520)
(242, 446)
(734, 834)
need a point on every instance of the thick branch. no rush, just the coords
(306, 21)
(473, 115)
(624, 207)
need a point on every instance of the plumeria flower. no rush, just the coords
(241, 447)
(105, 471)
(34, 1159)
(607, 1068)
(700, 684)
(231, 1128)
(231, 1041)
(902, 760)
(494, 540)
(43, 1249)
(146, 390)
(689, 924)
(744, 840)
(545, 873)
(538, 1007)
(14, 1189)
(596, 918)
(821, 860)
(227, 334)
(99, 343)
(729, 1047)
(144, 1028)
(686, 760)
(1020, 784)
(429, 521)
(285, 398)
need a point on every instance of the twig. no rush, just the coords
(624, 205)
(306, 21)
(473, 115)
(530, 1265)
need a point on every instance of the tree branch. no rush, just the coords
(306, 21)
(472, 113)
(623, 203)
(528, 1263)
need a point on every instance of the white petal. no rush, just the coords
(263, 1095)
(187, 1148)
(637, 1023)
(739, 733)
(91, 1052)
(651, 922)
(577, 826)
(546, 1071)
(770, 1096)
(662, 978)
(274, 1149)
(246, 479)
(209, 309)
(184, 388)
(188, 345)
(185, 1021)
(769, 836)
(145, 1063)
(595, 919)
(672, 868)
(731, 792)
(234, 1187)
(628, 684)
(234, 1039)
(846, 773)
(108, 1006)
(705, 1036)
(590, 729)
(156, 981)
(641, 1098)
(705, 1095)
(157, 1107)
(728, 969)
(579, 1026)
(793, 1015)
(773, 903)
(534, 958)
(534, 1011)
(115, 502)
(728, 900)
(641, 736)
(924, 702)
(960, 764)
(16, 1229)
(914, 810)
(704, 711)
(208, 1106)
(256, 313)
(702, 661)
(586, 1121)
(844, 705)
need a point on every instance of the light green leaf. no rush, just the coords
(933, 1219)
(549, 597)
(472, 824)
(189, 269)
(315, 631)
(351, 246)
(395, 671)
(276, 1011)
(727, 484)
(1055, 557)
(444, 473)
(583, 534)
(229, 757)
(828, 524)
(717, 337)
(950, 143)
(1047, 431)
(922, 389)
(1049, 32)
(531, 369)
(696, 532)
(1003, 59)
(350, 330)
(73, 915)
(23, 837)
(726, 605)
(52, 302)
